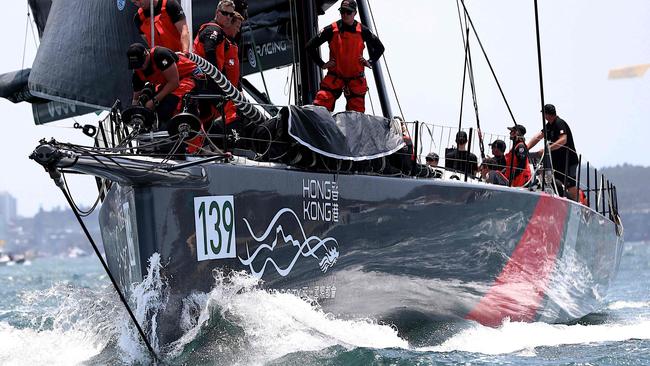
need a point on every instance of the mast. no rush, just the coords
(310, 74)
(376, 68)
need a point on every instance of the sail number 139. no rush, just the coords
(214, 218)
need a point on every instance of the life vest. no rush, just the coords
(231, 63)
(186, 68)
(521, 170)
(199, 49)
(165, 31)
(346, 48)
(582, 197)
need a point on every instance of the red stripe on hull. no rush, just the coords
(518, 291)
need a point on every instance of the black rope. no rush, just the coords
(547, 152)
(108, 272)
(462, 93)
(470, 69)
(390, 77)
(489, 63)
(22, 65)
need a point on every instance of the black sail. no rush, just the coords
(81, 58)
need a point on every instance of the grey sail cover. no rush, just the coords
(81, 58)
(347, 135)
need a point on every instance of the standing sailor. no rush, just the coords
(345, 68)
(171, 74)
(563, 150)
(170, 26)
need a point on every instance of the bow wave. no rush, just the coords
(307, 246)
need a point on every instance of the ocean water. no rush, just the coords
(63, 312)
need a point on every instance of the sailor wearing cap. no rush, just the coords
(563, 150)
(432, 159)
(518, 169)
(498, 152)
(345, 69)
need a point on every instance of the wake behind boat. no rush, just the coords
(333, 208)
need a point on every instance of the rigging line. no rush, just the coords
(390, 77)
(547, 152)
(466, 47)
(462, 93)
(294, 56)
(259, 64)
(470, 70)
(22, 65)
(31, 25)
(475, 99)
(76, 207)
(372, 105)
(143, 336)
(505, 100)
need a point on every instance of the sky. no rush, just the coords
(581, 41)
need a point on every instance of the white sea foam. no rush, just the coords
(514, 337)
(618, 305)
(276, 324)
(48, 347)
(150, 298)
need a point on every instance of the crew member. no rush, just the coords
(490, 173)
(432, 160)
(170, 26)
(209, 42)
(518, 170)
(460, 159)
(346, 63)
(498, 152)
(563, 152)
(231, 65)
(172, 75)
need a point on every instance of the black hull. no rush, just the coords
(367, 246)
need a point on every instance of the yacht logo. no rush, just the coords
(121, 4)
(251, 58)
(279, 249)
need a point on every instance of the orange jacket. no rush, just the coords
(165, 31)
(346, 48)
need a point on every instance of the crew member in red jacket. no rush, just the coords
(171, 73)
(170, 26)
(345, 68)
(518, 171)
(210, 39)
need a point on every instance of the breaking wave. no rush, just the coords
(242, 324)
(513, 337)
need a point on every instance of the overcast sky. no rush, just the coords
(581, 41)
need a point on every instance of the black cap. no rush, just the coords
(461, 137)
(499, 144)
(350, 5)
(137, 54)
(521, 130)
(432, 156)
(549, 109)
